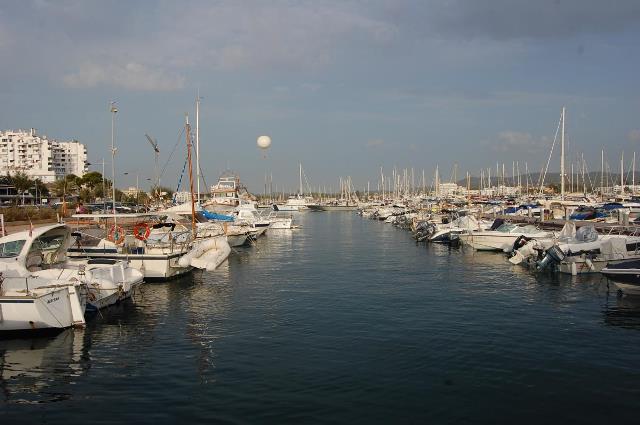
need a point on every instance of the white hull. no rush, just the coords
(291, 208)
(489, 242)
(152, 266)
(42, 308)
(237, 240)
(281, 223)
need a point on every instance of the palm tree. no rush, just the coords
(22, 183)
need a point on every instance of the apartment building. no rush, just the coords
(40, 157)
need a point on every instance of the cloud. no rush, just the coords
(132, 76)
(375, 143)
(634, 135)
(508, 141)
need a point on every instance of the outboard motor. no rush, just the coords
(554, 255)
(520, 242)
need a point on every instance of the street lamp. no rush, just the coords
(137, 189)
(114, 111)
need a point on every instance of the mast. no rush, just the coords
(622, 174)
(114, 111)
(602, 175)
(633, 174)
(198, 145)
(300, 191)
(562, 158)
(193, 205)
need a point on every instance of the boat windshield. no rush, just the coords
(530, 229)
(506, 227)
(11, 249)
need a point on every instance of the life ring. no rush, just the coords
(116, 234)
(141, 231)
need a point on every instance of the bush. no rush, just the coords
(27, 213)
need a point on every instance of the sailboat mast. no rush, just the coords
(633, 174)
(562, 158)
(193, 205)
(300, 191)
(622, 174)
(198, 145)
(602, 175)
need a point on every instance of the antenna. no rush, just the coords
(154, 144)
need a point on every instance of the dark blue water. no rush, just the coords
(345, 320)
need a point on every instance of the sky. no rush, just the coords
(343, 87)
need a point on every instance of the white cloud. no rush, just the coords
(132, 75)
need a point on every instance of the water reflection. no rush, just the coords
(623, 311)
(42, 369)
(207, 302)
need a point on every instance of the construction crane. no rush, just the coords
(154, 144)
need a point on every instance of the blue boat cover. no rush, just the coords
(218, 217)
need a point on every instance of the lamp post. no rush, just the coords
(137, 187)
(114, 111)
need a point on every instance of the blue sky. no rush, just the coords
(342, 86)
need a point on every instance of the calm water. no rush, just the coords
(345, 320)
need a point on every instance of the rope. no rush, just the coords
(181, 175)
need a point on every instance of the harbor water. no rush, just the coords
(344, 320)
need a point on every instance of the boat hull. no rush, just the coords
(42, 309)
(332, 207)
(154, 267)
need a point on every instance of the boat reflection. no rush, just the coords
(208, 302)
(42, 370)
(621, 310)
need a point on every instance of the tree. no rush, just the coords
(39, 189)
(22, 183)
(91, 180)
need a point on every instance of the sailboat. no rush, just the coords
(295, 203)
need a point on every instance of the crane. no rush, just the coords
(154, 144)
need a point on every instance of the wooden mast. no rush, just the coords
(193, 206)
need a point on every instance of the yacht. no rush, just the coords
(151, 242)
(501, 236)
(42, 289)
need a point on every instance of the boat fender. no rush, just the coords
(589, 263)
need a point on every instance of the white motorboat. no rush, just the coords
(246, 213)
(502, 237)
(448, 232)
(577, 251)
(152, 242)
(32, 296)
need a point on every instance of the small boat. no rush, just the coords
(42, 289)
(625, 275)
(152, 242)
(501, 236)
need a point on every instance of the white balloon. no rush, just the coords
(264, 142)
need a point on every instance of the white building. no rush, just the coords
(39, 157)
(181, 197)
